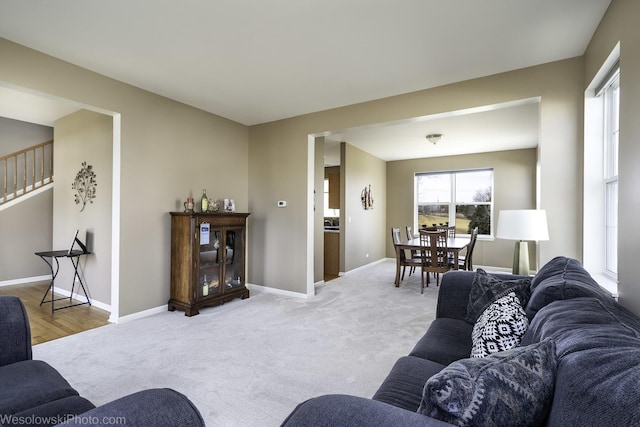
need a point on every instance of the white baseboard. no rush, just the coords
(139, 315)
(266, 289)
(80, 297)
(163, 308)
(362, 267)
(25, 280)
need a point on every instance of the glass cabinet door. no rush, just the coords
(209, 262)
(234, 262)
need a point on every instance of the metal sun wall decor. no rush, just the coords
(367, 198)
(85, 185)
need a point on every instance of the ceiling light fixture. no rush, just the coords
(434, 137)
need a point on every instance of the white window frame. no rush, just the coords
(594, 210)
(610, 92)
(452, 197)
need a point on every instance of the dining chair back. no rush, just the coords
(414, 253)
(400, 253)
(395, 235)
(466, 261)
(435, 254)
(409, 232)
(450, 229)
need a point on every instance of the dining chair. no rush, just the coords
(451, 233)
(465, 262)
(409, 231)
(414, 253)
(404, 261)
(450, 229)
(435, 254)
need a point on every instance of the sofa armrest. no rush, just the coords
(351, 411)
(453, 295)
(153, 407)
(15, 333)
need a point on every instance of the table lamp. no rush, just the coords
(522, 226)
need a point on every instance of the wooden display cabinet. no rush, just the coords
(207, 267)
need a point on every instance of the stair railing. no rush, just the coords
(26, 170)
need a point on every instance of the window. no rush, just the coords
(462, 198)
(611, 93)
(600, 173)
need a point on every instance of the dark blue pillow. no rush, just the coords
(485, 289)
(509, 388)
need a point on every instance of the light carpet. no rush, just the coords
(250, 362)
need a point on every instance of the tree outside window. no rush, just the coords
(461, 198)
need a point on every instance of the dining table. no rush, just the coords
(454, 245)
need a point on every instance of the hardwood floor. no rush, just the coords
(47, 326)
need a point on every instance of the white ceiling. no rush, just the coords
(25, 106)
(509, 126)
(255, 61)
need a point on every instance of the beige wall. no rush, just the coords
(26, 227)
(620, 25)
(514, 188)
(284, 144)
(167, 152)
(80, 137)
(170, 150)
(16, 135)
(278, 170)
(361, 243)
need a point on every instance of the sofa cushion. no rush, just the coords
(446, 341)
(562, 278)
(340, 410)
(150, 407)
(51, 413)
(509, 388)
(30, 383)
(403, 386)
(598, 348)
(500, 327)
(487, 288)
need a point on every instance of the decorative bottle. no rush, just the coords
(204, 201)
(205, 287)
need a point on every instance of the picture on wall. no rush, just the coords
(85, 185)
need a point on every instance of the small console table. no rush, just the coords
(51, 257)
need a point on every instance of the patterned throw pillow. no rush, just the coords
(486, 288)
(510, 388)
(500, 327)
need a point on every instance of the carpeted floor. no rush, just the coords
(250, 362)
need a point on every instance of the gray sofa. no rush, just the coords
(34, 393)
(577, 364)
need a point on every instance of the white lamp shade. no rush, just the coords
(524, 224)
